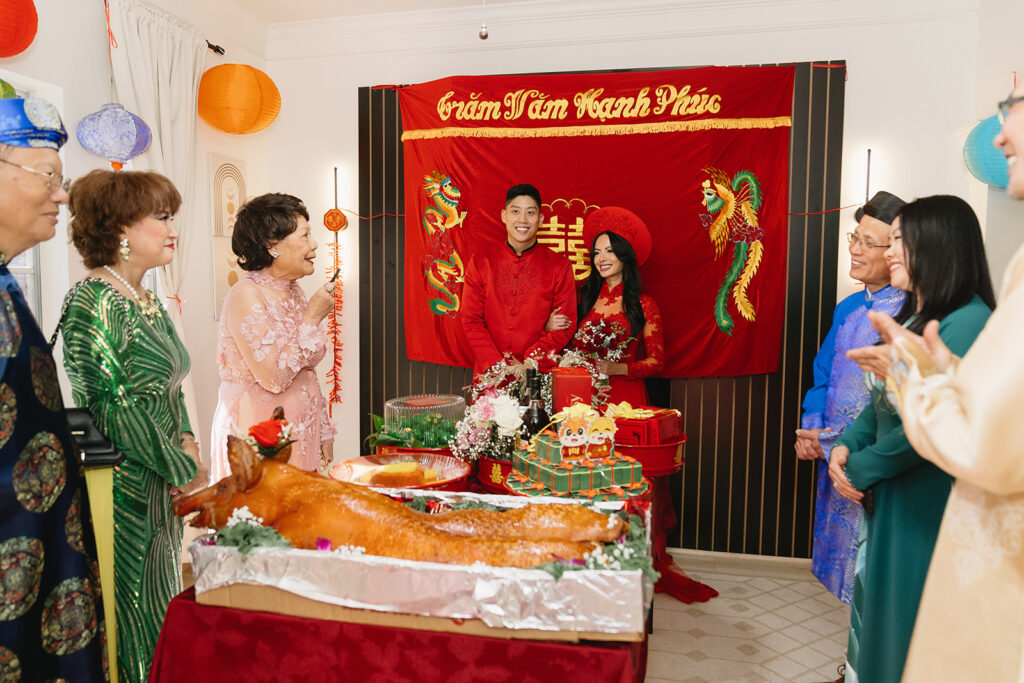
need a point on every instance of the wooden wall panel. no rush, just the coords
(385, 370)
(742, 489)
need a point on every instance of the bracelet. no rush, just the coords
(189, 437)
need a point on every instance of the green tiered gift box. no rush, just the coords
(545, 473)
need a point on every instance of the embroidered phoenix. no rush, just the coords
(732, 206)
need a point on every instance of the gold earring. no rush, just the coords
(125, 250)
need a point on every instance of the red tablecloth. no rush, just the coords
(204, 643)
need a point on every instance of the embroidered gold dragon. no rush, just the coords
(442, 265)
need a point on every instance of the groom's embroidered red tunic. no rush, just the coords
(507, 299)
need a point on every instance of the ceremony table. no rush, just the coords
(208, 643)
(674, 581)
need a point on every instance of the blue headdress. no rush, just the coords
(30, 123)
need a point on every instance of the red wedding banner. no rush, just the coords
(701, 155)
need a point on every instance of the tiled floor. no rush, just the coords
(757, 629)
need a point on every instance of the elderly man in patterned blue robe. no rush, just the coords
(50, 612)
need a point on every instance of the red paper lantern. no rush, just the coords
(18, 25)
(238, 98)
(335, 220)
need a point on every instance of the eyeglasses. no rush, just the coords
(53, 181)
(1004, 107)
(856, 239)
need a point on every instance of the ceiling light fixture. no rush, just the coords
(483, 24)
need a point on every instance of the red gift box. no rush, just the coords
(630, 432)
(665, 426)
(568, 386)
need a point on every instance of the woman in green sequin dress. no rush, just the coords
(126, 364)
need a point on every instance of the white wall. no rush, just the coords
(45, 66)
(242, 38)
(909, 68)
(1000, 53)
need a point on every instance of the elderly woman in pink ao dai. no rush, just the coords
(271, 337)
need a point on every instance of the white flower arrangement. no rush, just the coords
(506, 415)
(490, 428)
(244, 515)
(504, 377)
(612, 556)
(246, 531)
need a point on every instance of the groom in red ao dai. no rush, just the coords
(510, 291)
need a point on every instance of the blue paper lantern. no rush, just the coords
(115, 134)
(985, 162)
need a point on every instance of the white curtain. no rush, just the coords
(157, 65)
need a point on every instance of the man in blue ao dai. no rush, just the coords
(839, 393)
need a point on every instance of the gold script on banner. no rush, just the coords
(589, 104)
(473, 109)
(687, 126)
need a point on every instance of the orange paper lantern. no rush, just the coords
(238, 98)
(335, 220)
(18, 25)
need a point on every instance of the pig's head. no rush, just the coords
(216, 503)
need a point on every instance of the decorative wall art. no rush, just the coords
(227, 192)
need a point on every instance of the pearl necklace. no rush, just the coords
(150, 308)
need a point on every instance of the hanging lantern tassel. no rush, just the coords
(115, 134)
(176, 298)
(334, 324)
